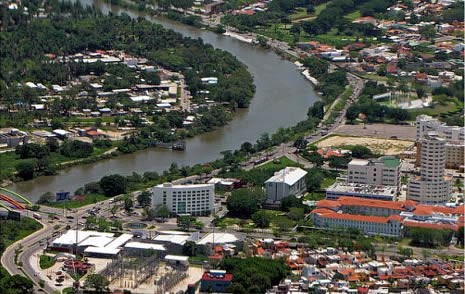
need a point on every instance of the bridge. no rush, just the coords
(12, 202)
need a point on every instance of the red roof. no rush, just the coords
(208, 277)
(430, 226)
(93, 133)
(354, 201)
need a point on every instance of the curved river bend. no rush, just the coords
(282, 99)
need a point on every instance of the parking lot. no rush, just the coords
(385, 131)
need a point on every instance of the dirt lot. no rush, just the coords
(383, 146)
(384, 131)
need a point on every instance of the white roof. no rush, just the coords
(177, 257)
(69, 238)
(141, 98)
(102, 250)
(120, 241)
(288, 175)
(146, 246)
(61, 132)
(358, 162)
(177, 239)
(98, 241)
(218, 238)
(174, 233)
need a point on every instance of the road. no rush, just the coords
(31, 244)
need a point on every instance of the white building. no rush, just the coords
(193, 199)
(453, 135)
(373, 225)
(288, 181)
(431, 186)
(377, 192)
(382, 171)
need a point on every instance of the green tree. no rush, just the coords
(428, 32)
(128, 204)
(314, 157)
(97, 282)
(296, 213)
(144, 198)
(189, 248)
(261, 219)
(162, 211)
(26, 169)
(113, 185)
(185, 221)
(313, 179)
(244, 202)
(290, 201)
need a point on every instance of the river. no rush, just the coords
(282, 99)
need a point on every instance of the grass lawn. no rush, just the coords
(90, 199)
(283, 162)
(300, 12)
(46, 261)
(319, 8)
(375, 77)
(199, 258)
(67, 290)
(315, 196)
(353, 15)
(327, 182)
(436, 109)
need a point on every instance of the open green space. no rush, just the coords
(10, 232)
(90, 199)
(437, 109)
(10, 160)
(46, 261)
(353, 15)
(299, 13)
(278, 164)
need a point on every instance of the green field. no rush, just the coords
(353, 15)
(90, 199)
(283, 162)
(46, 261)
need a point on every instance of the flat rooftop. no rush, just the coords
(351, 188)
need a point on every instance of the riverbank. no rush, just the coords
(283, 94)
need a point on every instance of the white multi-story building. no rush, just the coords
(288, 181)
(454, 136)
(193, 199)
(431, 186)
(382, 171)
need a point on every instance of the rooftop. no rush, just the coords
(362, 189)
(288, 175)
(218, 238)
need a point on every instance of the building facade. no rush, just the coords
(454, 136)
(431, 186)
(193, 199)
(372, 225)
(382, 171)
(288, 181)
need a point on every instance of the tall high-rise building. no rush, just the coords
(432, 186)
(453, 135)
